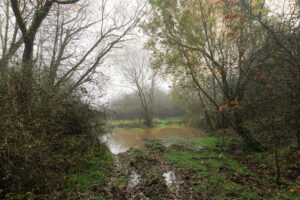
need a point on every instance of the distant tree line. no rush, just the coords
(127, 106)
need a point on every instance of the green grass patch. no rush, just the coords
(90, 177)
(219, 176)
(208, 158)
(161, 125)
(184, 159)
(212, 169)
(209, 142)
(179, 121)
(139, 124)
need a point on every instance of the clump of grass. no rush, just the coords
(154, 145)
(139, 154)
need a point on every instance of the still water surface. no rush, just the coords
(121, 140)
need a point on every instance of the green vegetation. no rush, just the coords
(128, 124)
(139, 124)
(87, 180)
(199, 142)
(219, 175)
(154, 144)
(171, 121)
(82, 173)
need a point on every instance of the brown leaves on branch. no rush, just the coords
(272, 53)
(296, 66)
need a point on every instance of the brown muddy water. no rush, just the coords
(122, 140)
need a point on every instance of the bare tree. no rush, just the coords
(71, 44)
(142, 79)
(10, 39)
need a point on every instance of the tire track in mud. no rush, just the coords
(172, 179)
(120, 191)
(146, 176)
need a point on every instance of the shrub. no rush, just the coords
(37, 147)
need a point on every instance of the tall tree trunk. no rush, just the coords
(207, 117)
(251, 142)
(216, 115)
(27, 75)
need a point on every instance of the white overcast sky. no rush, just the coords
(116, 84)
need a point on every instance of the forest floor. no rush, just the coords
(195, 169)
(190, 168)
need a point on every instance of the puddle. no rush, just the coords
(122, 140)
(169, 178)
(134, 180)
(114, 146)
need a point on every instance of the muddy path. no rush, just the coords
(185, 171)
(144, 174)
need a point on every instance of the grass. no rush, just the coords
(209, 142)
(183, 159)
(138, 154)
(152, 144)
(139, 125)
(172, 121)
(208, 169)
(220, 176)
(86, 180)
